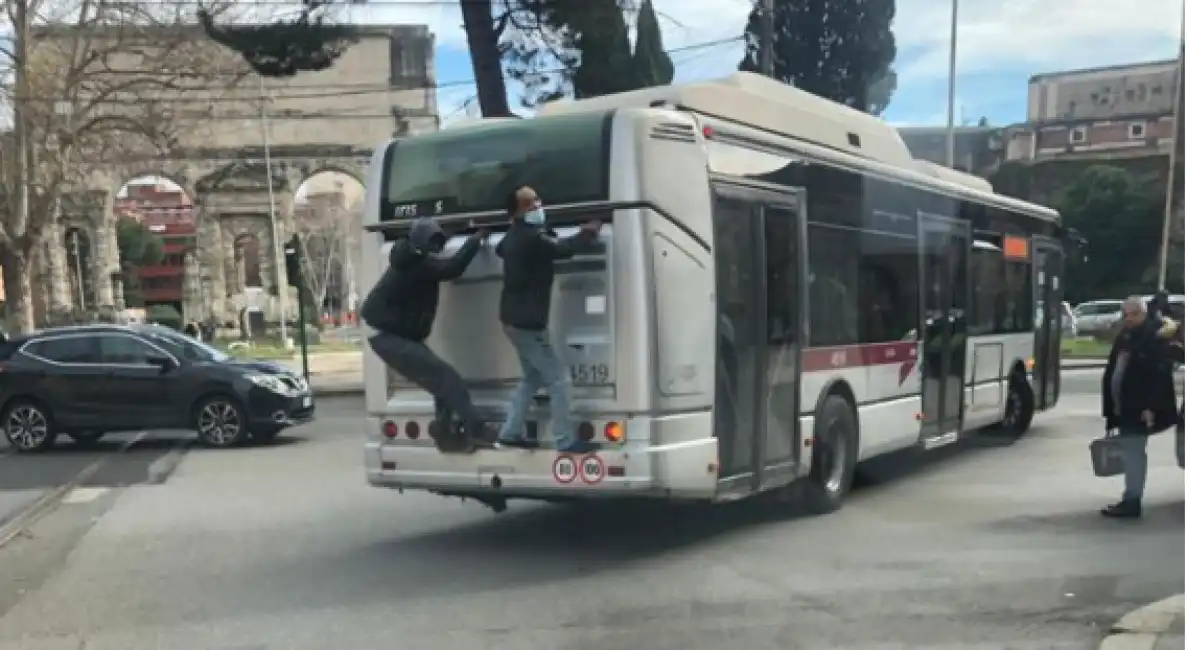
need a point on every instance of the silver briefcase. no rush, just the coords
(1106, 456)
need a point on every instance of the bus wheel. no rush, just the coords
(1020, 407)
(834, 456)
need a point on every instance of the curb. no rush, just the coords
(1140, 629)
(337, 391)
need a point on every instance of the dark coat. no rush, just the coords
(404, 301)
(1148, 384)
(528, 253)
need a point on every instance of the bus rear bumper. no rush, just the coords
(685, 470)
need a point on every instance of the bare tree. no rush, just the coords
(329, 232)
(93, 84)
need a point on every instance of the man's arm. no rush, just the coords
(563, 249)
(451, 268)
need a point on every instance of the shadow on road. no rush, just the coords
(134, 465)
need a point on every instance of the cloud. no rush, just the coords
(1035, 35)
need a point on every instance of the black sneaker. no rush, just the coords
(1123, 510)
(580, 447)
(518, 442)
(480, 434)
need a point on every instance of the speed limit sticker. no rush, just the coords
(593, 470)
(564, 469)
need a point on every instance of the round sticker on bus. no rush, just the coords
(593, 470)
(564, 469)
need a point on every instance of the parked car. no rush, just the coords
(87, 381)
(1096, 316)
(1070, 331)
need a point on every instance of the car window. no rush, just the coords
(67, 349)
(124, 350)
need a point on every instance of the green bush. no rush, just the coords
(164, 315)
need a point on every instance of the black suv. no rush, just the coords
(90, 380)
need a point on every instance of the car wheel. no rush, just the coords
(265, 435)
(834, 457)
(28, 426)
(86, 437)
(1020, 407)
(220, 422)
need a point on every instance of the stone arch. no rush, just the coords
(247, 260)
(346, 167)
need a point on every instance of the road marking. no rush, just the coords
(79, 496)
(162, 468)
(50, 500)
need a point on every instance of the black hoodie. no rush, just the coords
(404, 301)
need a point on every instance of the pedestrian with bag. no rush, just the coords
(1138, 399)
(402, 307)
(529, 250)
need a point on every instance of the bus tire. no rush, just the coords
(1020, 406)
(834, 456)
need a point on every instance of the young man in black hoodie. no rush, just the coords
(402, 307)
(528, 251)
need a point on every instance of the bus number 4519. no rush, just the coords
(590, 374)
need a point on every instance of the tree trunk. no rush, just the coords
(18, 290)
(483, 38)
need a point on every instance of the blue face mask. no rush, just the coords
(535, 217)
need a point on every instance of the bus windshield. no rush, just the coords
(475, 168)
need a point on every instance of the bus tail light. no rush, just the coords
(613, 431)
(390, 430)
(412, 430)
(585, 431)
(1030, 364)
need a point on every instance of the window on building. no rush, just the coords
(1137, 130)
(1078, 135)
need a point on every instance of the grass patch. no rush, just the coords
(1085, 348)
(275, 352)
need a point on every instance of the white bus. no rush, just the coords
(781, 293)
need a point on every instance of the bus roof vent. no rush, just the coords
(952, 176)
(674, 131)
(766, 104)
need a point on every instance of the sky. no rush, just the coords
(1001, 44)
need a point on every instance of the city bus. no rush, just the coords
(779, 293)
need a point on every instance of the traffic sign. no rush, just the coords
(593, 470)
(564, 469)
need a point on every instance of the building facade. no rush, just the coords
(1110, 112)
(218, 230)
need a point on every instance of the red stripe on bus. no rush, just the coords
(902, 353)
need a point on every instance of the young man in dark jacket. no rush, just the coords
(402, 307)
(1138, 398)
(528, 251)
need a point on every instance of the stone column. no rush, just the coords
(101, 262)
(209, 260)
(194, 305)
(57, 270)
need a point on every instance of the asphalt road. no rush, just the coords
(981, 546)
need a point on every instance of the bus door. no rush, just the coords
(1047, 261)
(944, 279)
(757, 235)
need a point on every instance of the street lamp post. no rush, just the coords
(277, 245)
(950, 140)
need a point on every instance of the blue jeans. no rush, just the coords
(542, 368)
(1133, 459)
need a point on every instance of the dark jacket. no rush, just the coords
(404, 301)
(528, 253)
(1148, 382)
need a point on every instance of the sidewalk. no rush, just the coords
(1157, 626)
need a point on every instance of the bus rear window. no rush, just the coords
(474, 168)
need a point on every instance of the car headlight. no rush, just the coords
(268, 382)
